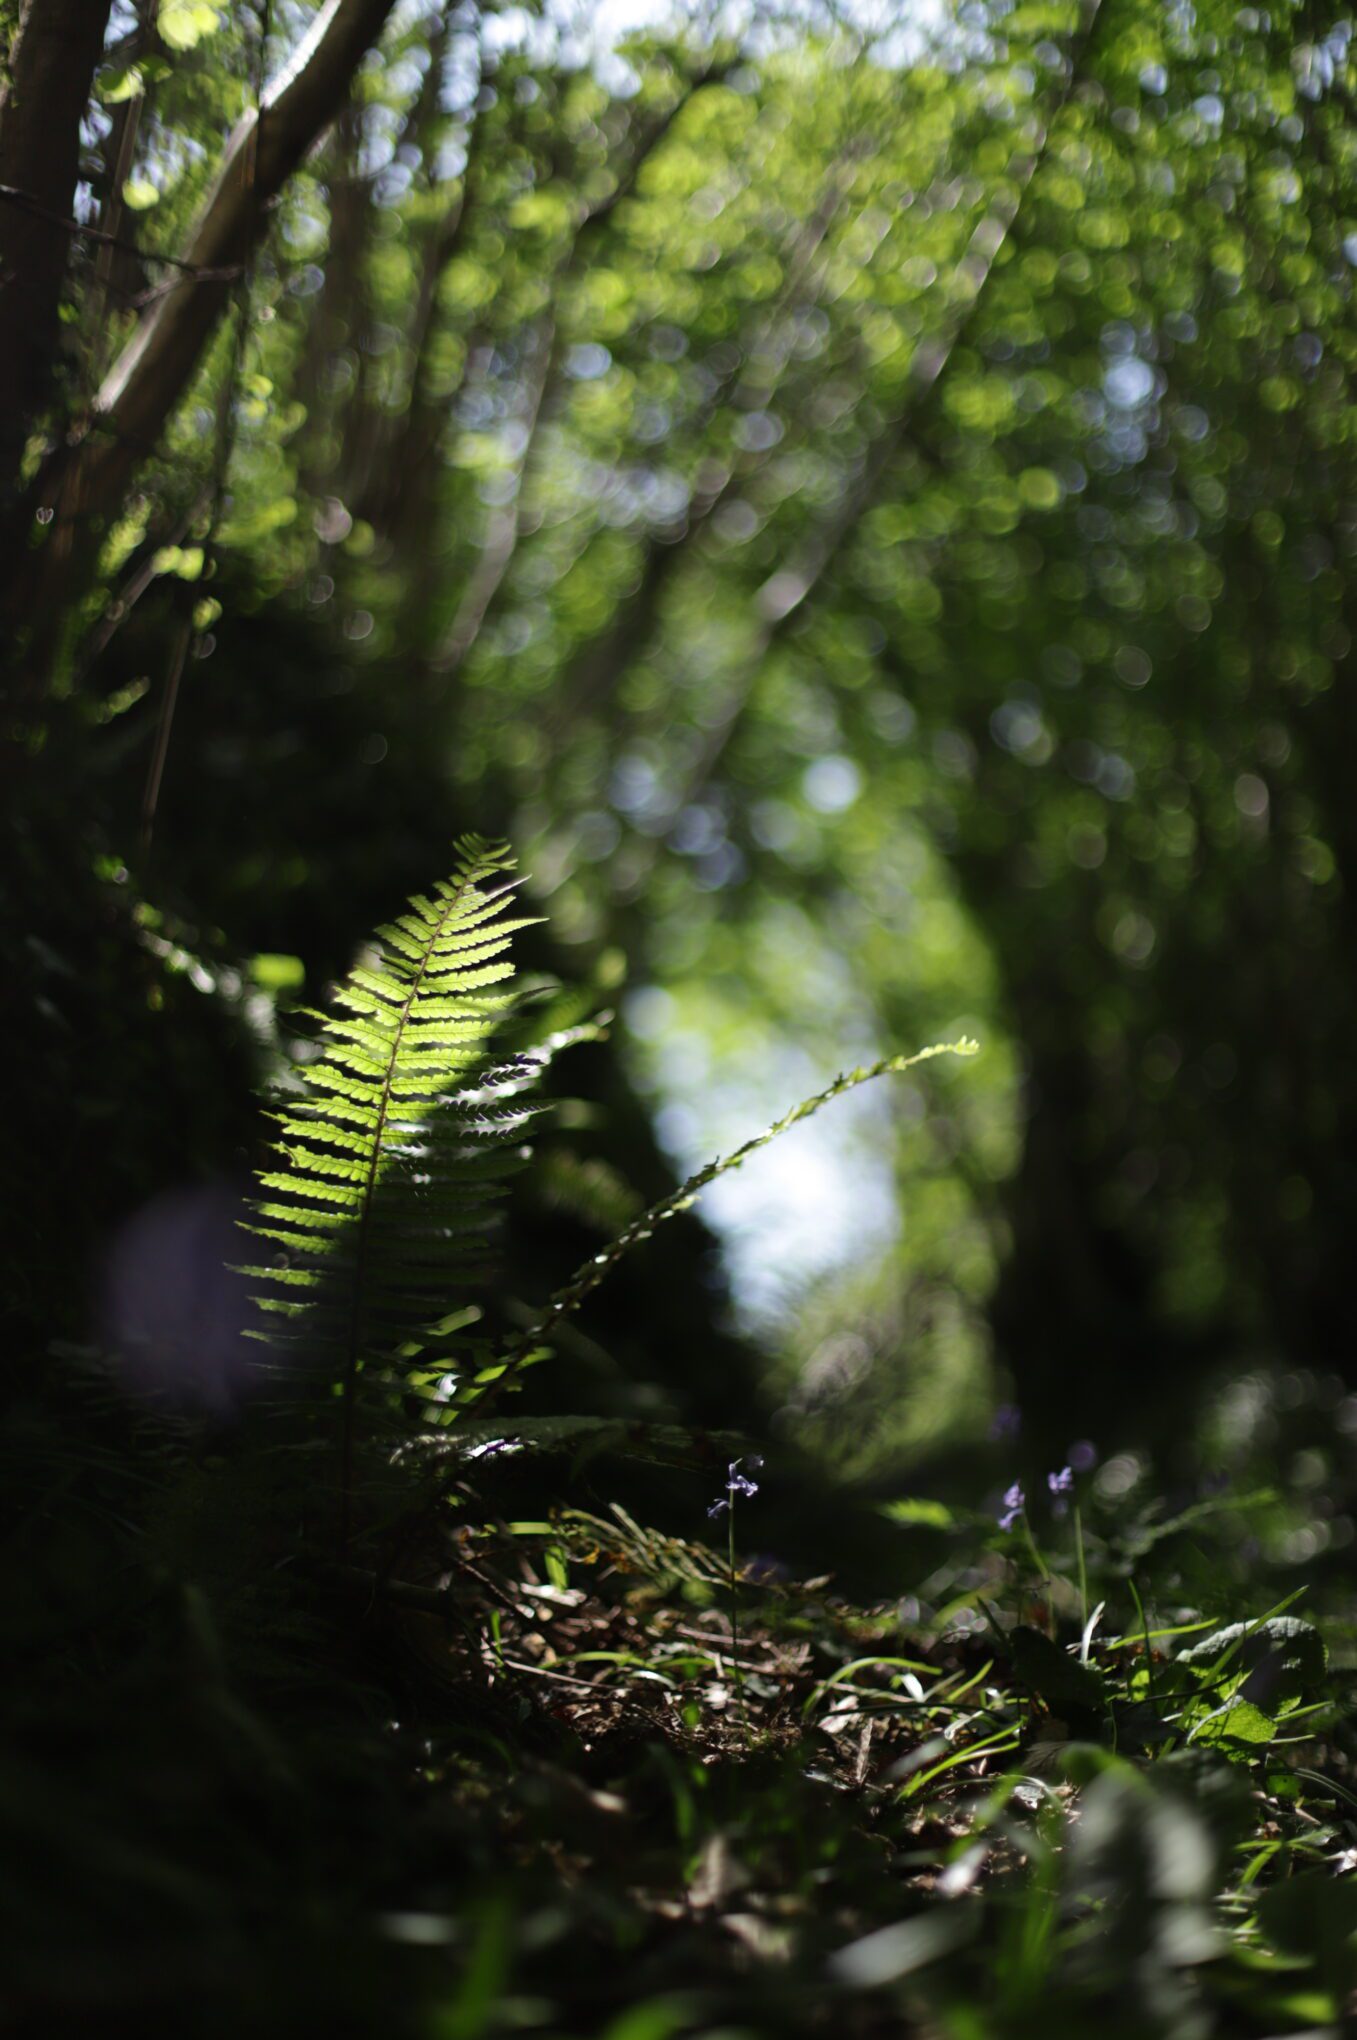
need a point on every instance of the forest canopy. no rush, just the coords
(869, 508)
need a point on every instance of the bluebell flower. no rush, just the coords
(1060, 1485)
(736, 1484)
(1015, 1501)
(1083, 1455)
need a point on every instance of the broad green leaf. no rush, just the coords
(1286, 1648)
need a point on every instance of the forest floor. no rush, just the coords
(527, 1777)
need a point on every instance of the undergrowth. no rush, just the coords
(531, 1735)
(513, 1785)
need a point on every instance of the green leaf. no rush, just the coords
(276, 973)
(121, 85)
(1242, 1722)
(183, 24)
(183, 561)
(1283, 1650)
(918, 1510)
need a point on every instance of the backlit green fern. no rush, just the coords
(388, 1165)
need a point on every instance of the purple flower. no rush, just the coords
(736, 1484)
(1060, 1485)
(1084, 1455)
(1015, 1501)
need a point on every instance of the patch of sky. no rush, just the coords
(821, 1198)
(578, 34)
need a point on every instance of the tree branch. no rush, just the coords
(88, 478)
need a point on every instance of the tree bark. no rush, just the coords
(86, 483)
(52, 61)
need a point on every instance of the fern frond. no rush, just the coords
(386, 1169)
(624, 1437)
(529, 1345)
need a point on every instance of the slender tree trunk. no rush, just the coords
(367, 440)
(544, 379)
(116, 269)
(398, 495)
(334, 322)
(400, 498)
(52, 62)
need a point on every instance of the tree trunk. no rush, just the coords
(52, 60)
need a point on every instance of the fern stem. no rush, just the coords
(735, 1625)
